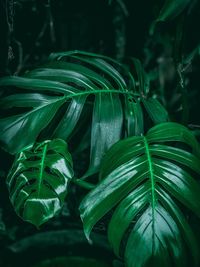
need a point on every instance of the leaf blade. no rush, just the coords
(36, 193)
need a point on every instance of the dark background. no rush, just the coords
(31, 29)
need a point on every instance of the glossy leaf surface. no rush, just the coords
(38, 180)
(51, 102)
(135, 107)
(155, 110)
(60, 89)
(147, 180)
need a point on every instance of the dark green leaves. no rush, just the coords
(21, 130)
(50, 101)
(39, 179)
(134, 117)
(170, 10)
(53, 100)
(136, 107)
(155, 110)
(146, 180)
(107, 115)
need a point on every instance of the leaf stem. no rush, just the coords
(83, 184)
(44, 152)
(100, 91)
(153, 202)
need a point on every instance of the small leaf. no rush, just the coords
(38, 181)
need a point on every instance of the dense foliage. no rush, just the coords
(106, 142)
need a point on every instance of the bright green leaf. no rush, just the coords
(148, 182)
(38, 181)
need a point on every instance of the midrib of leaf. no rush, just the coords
(153, 200)
(99, 92)
(42, 166)
(64, 99)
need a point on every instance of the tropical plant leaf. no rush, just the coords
(155, 110)
(107, 115)
(38, 180)
(50, 101)
(146, 178)
(170, 10)
(21, 129)
(67, 80)
(134, 111)
(141, 77)
(134, 117)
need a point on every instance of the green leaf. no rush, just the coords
(133, 109)
(51, 100)
(134, 117)
(107, 115)
(142, 78)
(38, 181)
(156, 111)
(148, 184)
(70, 119)
(172, 131)
(170, 10)
(157, 238)
(21, 130)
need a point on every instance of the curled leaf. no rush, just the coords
(38, 181)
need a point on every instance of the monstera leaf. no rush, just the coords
(39, 179)
(56, 94)
(52, 99)
(149, 181)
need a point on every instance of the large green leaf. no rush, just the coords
(38, 180)
(53, 97)
(51, 100)
(148, 181)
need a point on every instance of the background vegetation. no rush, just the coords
(169, 51)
